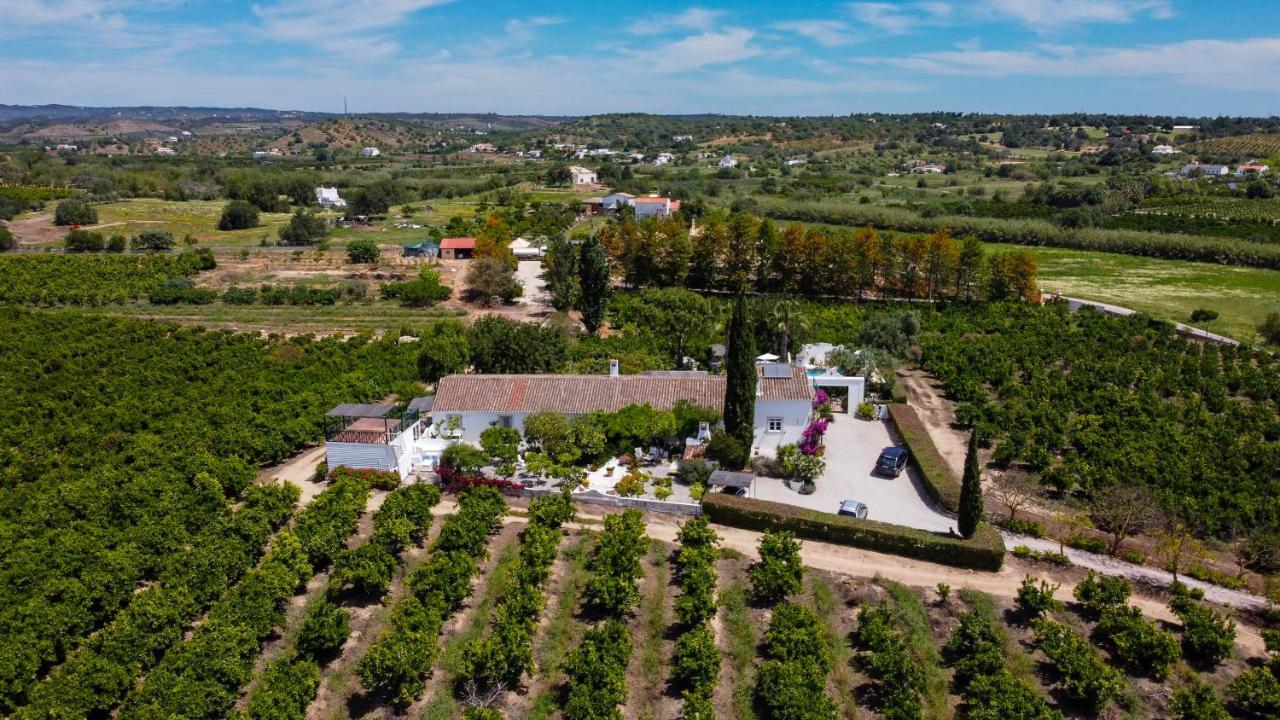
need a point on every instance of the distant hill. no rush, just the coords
(72, 122)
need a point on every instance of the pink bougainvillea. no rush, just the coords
(811, 440)
(820, 398)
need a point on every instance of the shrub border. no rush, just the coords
(941, 484)
(984, 551)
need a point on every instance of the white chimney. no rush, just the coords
(613, 368)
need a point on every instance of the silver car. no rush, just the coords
(853, 508)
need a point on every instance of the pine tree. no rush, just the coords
(593, 283)
(740, 367)
(971, 491)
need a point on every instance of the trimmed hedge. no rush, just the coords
(984, 551)
(941, 484)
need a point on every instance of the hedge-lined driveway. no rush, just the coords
(852, 448)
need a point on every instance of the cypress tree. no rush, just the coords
(593, 283)
(740, 367)
(971, 491)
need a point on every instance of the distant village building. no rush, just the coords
(1165, 150)
(797, 161)
(482, 148)
(328, 198)
(727, 162)
(659, 207)
(264, 154)
(1198, 170)
(457, 248)
(64, 147)
(663, 159)
(682, 138)
(371, 152)
(582, 176)
(164, 151)
(929, 169)
(613, 201)
(1252, 167)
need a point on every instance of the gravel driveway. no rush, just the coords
(529, 273)
(852, 448)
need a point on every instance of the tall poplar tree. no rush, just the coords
(971, 491)
(593, 284)
(740, 368)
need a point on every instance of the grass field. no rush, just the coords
(197, 218)
(1169, 289)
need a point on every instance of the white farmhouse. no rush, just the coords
(1164, 150)
(582, 176)
(162, 150)
(663, 159)
(727, 162)
(660, 207)
(371, 152)
(328, 198)
(472, 403)
(1198, 170)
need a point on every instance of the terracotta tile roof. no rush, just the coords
(581, 394)
(458, 243)
(652, 200)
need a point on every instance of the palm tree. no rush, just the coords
(784, 316)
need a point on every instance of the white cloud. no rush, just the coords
(358, 32)
(1043, 15)
(900, 18)
(696, 51)
(692, 19)
(1250, 65)
(828, 33)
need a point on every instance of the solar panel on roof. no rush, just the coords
(777, 370)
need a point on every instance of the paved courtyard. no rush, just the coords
(852, 448)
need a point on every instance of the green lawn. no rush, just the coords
(1169, 289)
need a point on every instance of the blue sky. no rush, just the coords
(743, 56)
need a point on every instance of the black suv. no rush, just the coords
(892, 462)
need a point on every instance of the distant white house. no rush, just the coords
(328, 198)
(482, 148)
(1165, 150)
(727, 162)
(371, 152)
(682, 138)
(1198, 170)
(164, 150)
(797, 161)
(264, 154)
(613, 201)
(929, 168)
(582, 176)
(663, 159)
(533, 154)
(1183, 128)
(65, 147)
(660, 207)
(186, 133)
(1252, 167)
(603, 152)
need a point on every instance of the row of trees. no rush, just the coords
(695, 668)
(201, 676)
(500, 660)
(739, 251)
(596, 669)
(399, 660)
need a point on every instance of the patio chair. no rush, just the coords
(641, 457)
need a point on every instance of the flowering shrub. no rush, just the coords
(820, 398)
(377, 479)
(811, 440)
(455, 481)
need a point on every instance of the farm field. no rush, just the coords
(1167, 289)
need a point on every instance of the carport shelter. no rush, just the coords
(729, 478)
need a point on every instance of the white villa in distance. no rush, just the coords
(582, 176)
(1165, 150)
(328, 198)
(727, 162)
(370, 152)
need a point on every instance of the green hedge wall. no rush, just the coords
(941, 484)
(984, 551)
